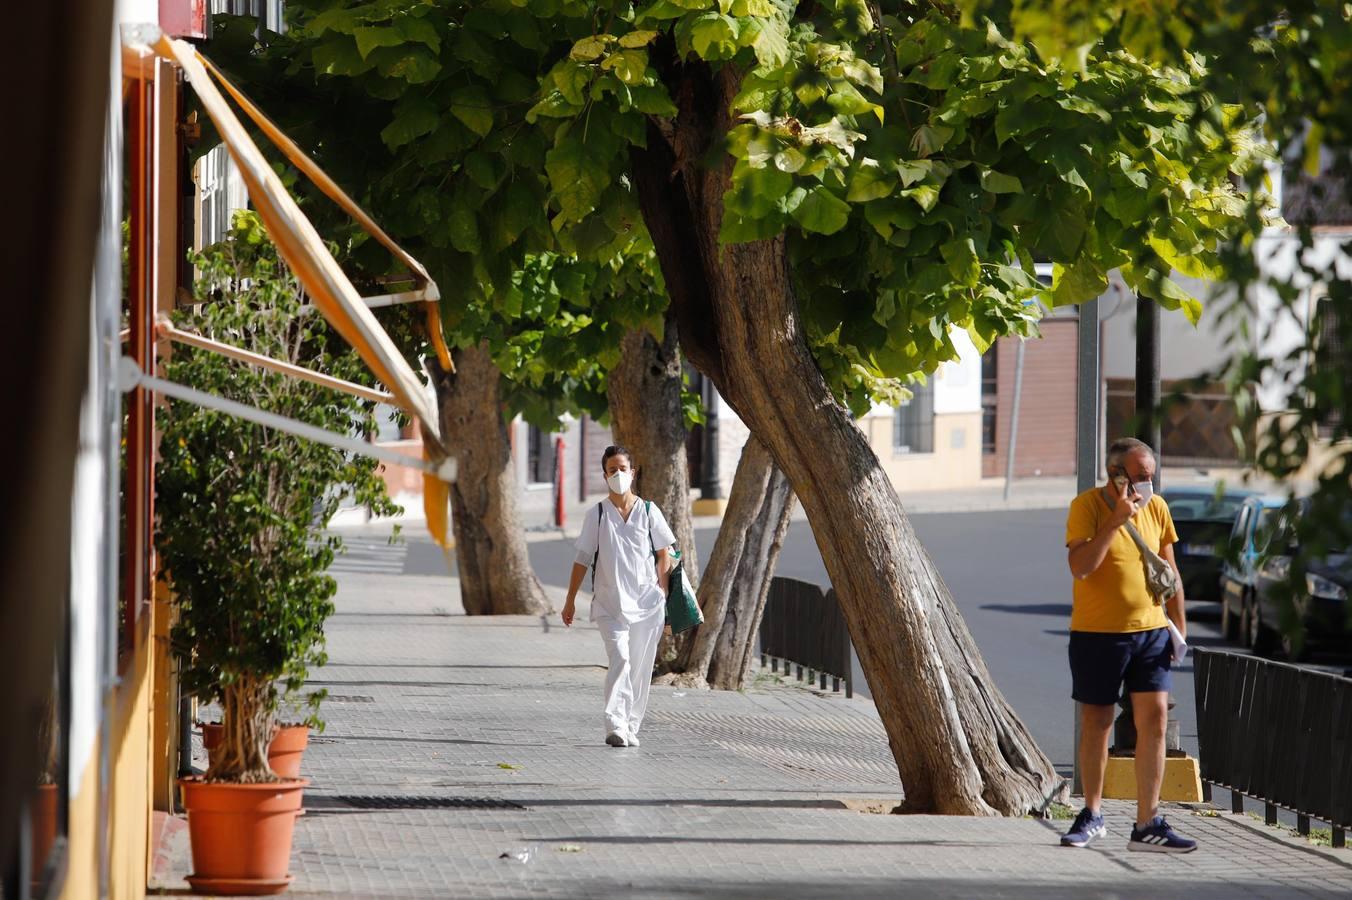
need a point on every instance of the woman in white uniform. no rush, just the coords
(629, 607)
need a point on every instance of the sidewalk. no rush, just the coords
(452, 741)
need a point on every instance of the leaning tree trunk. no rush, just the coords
(959, 746)
(646, 415)
(736, 645)
(737, 579)
(490, 548)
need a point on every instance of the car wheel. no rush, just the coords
(1260, 638)
(1229, 621)
(1289, 648)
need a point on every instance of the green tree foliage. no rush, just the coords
(918, 166)
(552, 321)
(241, 509)
(1290, 64)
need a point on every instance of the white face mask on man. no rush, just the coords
(620, 482)
(1144, 490)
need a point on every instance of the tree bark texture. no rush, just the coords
(644, 395)
(959, 746)
(736, 645)
(737, 579)
(247, 730)
(494, 567)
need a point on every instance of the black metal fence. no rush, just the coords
(804, 627)
(1277, 733)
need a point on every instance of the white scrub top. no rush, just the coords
(626, 577)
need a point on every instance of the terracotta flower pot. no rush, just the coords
(287, 747)
(241, 835)
(284, 752)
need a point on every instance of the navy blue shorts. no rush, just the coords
(1101, 663)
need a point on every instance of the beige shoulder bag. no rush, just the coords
(1160, 577)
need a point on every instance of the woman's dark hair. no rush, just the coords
(616, 450)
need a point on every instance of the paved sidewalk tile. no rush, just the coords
(453, 742)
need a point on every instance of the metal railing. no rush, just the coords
(804, 627)
(1279, 734)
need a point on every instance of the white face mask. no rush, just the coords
(620, 482)
(1146, 490)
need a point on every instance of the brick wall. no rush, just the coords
(1046, 443)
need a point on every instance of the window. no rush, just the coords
(268, 12)
(1330, 356)
(213, 182)
(540, 457)
(914, 421)
(990, 393)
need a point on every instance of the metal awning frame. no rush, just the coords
(130, 377)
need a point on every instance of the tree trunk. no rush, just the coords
(247, 731)
(959, 746)
(644, 395)
(737, 579)
(490, 547)
(736, 645)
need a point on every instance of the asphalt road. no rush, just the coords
(1008, 573)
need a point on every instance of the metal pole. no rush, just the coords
(1086, 440)
(1014, 419)
(130, 377)
(1148, 378)
(710, 487)
(1087, 398)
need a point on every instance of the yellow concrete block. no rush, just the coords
(709, 507)
(1182, 781)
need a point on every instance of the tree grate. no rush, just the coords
(349, 698)
(385, 801)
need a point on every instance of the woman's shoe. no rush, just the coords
(615, 739)
(633, 740)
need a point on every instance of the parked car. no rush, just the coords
(1320, 614)
(1204, 522)
(1239, 571)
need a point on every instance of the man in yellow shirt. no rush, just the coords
(1119, 635)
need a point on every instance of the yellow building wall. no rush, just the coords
(948, 467)
(129, 796)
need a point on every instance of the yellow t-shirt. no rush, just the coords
(1114, 598)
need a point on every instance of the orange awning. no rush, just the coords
(300, 245)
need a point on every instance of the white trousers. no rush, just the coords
(631, 648)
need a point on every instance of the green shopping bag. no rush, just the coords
(683, 612)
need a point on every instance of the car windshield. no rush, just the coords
(1203, 506)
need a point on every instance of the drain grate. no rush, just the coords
(349, 698)
(378, 801)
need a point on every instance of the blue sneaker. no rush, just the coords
(1087, 828)
(1158, 837)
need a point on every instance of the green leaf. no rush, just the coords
(930, 139)
(629, 66)
(590, 48)
(472, 106)
(576, 177)
(714, 36)
(870, 182)
(413, 118)
(636, 39)
(768, 38)
(369, 39)
(822, 211)
(924, 195)
(963, 264)
(1083, 280)
(913, 170)
(652, 99)
(999, 183)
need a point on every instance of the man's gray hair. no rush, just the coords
(1121, 448)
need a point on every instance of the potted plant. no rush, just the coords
(240, 518)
